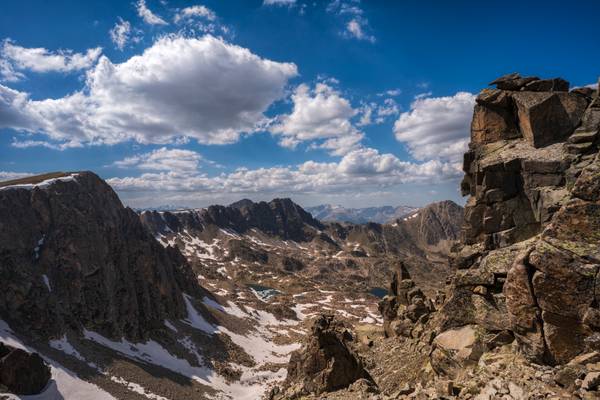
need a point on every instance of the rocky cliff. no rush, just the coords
(71, 256)
(532, 221)
(520, 315)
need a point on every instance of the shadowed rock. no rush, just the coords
(72, 257)
(22, 372)
(326, 362)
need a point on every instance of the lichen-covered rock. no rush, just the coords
(537, 196)
(455, 349)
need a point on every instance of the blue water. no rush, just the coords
(379, 292)
(264, 292)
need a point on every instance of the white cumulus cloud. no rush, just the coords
(147, 15)
(200, 88)
(163, 159)
(15, 58)
(120, 33)
(320, 116)
(437, 127)
(195, 11)
(361, 169)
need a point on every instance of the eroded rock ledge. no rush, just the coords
(532, 221)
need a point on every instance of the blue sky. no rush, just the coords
(193, 103)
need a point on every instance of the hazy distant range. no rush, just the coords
(381, 215)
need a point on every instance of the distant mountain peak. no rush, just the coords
(242, 203)
(338, 213)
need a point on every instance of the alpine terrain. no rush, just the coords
(267, 300)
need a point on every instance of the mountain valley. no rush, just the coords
(267, 300)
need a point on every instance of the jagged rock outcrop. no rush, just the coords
(21, 372)
(405, 309)
(72, 257)
(531, 256)
(279, 217)
(326, 362)
(541, 111)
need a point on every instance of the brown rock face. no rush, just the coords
(490, 125)
(547, 85)
(326, 362)
(547, 117)
(531, 258)
(71, 256)
(541, 111)
(22, 372)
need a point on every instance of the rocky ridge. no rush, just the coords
(282, 235)
(279, 217)
(518, 319)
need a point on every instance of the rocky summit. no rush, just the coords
(263, 300)
(532, 220)
(74, 258)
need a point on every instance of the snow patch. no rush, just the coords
(42, 185)
(169, 325)
(134, 387)
(64, 384)
(47, 282)
(196, 320)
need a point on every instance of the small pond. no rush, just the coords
(379, 292)
(263, 292)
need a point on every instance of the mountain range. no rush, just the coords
(327, 212)
(380, 215)
(217, 296)
(266, 300)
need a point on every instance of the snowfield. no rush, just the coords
(63, 384)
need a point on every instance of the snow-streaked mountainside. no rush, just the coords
(163, 207)
(200, 303)
(380, 215)
(326, 212)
